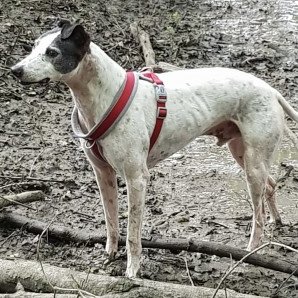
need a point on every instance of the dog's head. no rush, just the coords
(55, 53)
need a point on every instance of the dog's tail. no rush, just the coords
(291, 113)
(287, 108)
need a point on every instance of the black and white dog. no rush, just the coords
(238, 108)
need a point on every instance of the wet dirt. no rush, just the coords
(199, 192)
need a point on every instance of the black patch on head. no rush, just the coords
(73, 43)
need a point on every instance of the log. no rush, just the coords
(144, 40)
(23, 198)
(64, 234)
(148, 52)
(24, 294)
(30, 275)
(164, 67)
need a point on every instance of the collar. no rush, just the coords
(120, 104)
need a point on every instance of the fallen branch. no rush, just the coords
(144, 40)
(31, 277)
(164, 67)
(148, 52)
(64, 234)
(21, 198)
(37, 295)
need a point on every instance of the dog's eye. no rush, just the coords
(51, 53)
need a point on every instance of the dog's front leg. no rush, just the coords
(107, 182)
(136, 185)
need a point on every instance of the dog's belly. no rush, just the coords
(205, 102)
(224, 132)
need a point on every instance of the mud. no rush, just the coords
(198, 192)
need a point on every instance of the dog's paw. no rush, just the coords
(111, 250)
(132, 273)
(133, 268)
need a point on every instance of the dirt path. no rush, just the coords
(199, 192)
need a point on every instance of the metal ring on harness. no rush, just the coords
(89, 146)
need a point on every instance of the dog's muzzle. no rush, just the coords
(17, 71)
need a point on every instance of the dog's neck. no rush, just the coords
(93, 84)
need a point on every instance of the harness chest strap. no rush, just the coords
(119, 105)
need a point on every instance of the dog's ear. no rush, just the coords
(63, 22)
(76, 33)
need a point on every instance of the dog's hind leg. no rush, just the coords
(261, 132)
(256, 170)
(236, 147)
(271, 200)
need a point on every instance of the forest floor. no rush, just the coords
(200, 191)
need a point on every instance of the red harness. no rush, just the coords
(120, 105)
(161, 99)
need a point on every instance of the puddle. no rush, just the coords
(288, 200)
(203, 158)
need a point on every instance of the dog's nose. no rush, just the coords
(17, 71)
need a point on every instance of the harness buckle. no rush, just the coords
(161, 113)
(161, 94)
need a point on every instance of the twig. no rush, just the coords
(236, 265)
(188, 273)
(246, 256)
(16, 133)
(55, 289)
(290, 168)
(14, 184)
(35, 179)
(14, 44)
(117, 25)
(7, 238)
(281, 285)
(284, 246)
(243, 198)
(22, 198)
(17, 203)
(34, 161)
(29, 148)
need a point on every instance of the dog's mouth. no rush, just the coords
(43, 81)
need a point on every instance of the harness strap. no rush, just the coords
(115, 112)
(161, 99)
(117, 109)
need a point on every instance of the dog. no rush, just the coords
(239, 109)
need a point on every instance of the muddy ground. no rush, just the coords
(200, 191)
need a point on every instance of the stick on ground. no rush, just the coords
(64, 234)
(149, 56)
(21, 198)
(144, 40)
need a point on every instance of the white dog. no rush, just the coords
(238, 108)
